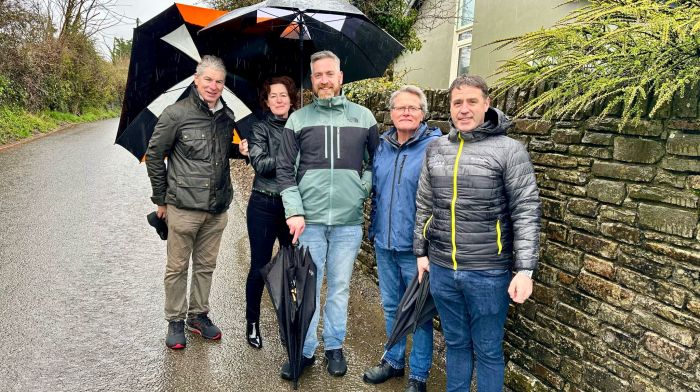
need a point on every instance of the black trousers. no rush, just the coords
(265, 223)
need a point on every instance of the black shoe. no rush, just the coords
(415, 385)
(381, 373)
(286, 371)
(175, 339)
(202, 325)
(253, 335)
(336, 363)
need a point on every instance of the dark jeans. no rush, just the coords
(266, 223)
(473, 306)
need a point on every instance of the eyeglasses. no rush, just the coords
(404, 109)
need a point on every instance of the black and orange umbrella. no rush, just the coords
(277, 37)
(165, 54)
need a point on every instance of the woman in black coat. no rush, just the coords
(265, 217)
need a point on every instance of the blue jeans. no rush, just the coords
(395, 270)
(473, 306)
(334, 249)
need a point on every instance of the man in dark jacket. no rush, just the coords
(193, 193)
(477, 219)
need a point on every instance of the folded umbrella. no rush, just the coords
(159, 224)
(291, 281)
(415, 309)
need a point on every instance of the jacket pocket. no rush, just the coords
(426, 227)
(499, 244)
(195, 144)
(193, 192)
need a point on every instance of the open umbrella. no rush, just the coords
(415, 309)
(165, 53)
(291, 281)
(276, 37)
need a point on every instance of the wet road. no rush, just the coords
(81, 285)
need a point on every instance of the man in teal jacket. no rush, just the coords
(324, 174)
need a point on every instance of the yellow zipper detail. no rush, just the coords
(498, 236)
(425, 227)
(454, 201)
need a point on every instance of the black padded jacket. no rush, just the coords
(477, 202)
(263, 148)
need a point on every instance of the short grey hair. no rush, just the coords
(212, 62)
(411, 89)
(471, 81)
(324, 54)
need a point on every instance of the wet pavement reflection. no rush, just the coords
(81, 277)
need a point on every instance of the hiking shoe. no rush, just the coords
(202, 325)
(336, 363)
(415, 385)
(286, 371)
(381, 373)
(175, 339)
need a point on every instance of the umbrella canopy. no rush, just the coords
(165, 53)
(291, 281)
(277, 37)
(415, 309)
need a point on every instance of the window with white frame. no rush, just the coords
(464, 35)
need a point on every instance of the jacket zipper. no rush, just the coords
(330, 193)
(425, 227)
(337, 138)
(498, 236)
(325, 142)
(401, 169)
(391, 199)
(453, 229)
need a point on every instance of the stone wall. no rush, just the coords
(616, 305)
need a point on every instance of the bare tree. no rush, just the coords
(86, 17)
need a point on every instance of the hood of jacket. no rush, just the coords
(495, 123)
(423, 132)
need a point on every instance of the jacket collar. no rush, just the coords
(199, 102)
(495, 123)
(422, 132)
(339, 101)
(274, 120)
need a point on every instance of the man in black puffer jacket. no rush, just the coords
(477, 219)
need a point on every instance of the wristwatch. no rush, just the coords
(526, 272)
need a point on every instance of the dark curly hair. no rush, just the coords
(287, 82)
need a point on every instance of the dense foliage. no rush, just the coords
(50, 69)
(44, 67)
(628, 55)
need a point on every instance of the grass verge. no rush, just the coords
(17, 124)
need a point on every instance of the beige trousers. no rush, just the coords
(196, 234)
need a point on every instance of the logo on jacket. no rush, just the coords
(436, 160)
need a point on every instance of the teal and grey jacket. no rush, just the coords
(325, 160)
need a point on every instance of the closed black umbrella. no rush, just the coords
(277, 37)
(291, 281)
(415, 308)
